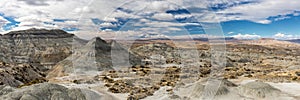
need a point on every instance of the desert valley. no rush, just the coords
(40, 64)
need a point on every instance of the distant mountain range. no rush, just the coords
(294, 40)
(185, 39)
(207, 39)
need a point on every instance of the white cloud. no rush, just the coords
(32, 13)
(246, 36)
(279, 35)
(161, 6)
(230, 32)
(163, 16)
(296, 14)
(182, 16)
(84, 9)
(285, 36)
(144, 20)
(263, 21)
(110, 19)
(36, 2)
(282, 18)
(36, 13)
(260, 11)
(2, 20)
(107, 25)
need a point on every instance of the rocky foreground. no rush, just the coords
(226, 90)
(46, 91)
(18, 75)
(38, 64)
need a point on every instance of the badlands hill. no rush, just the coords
(26, 55)
(96, 55)
(37, 46)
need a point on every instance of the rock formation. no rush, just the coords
(17, 75)
(45, 47)
(258, 89)
(159, 53)
(95, 56)
(46, 91)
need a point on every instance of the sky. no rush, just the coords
(242, 19)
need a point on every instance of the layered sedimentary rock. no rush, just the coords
(46, 47)
(26, 55)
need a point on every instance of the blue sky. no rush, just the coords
(11, 22)
(289, 26)
(238, 18)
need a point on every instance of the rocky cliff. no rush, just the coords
(46, 47)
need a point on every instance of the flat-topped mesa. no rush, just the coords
(38, 33)
(46, 47)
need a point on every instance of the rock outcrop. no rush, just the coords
(159, 53)
(32, 46)
(46, 91)
(18, 75)
(222, 87)
(259, 89)
(95, 56)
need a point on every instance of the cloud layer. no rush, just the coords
(246, 36)
(173, 16)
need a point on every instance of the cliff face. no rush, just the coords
(26, 55)
(46, 47)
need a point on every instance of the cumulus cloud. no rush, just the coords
(35, 13)
(163, 16)
(161, 6)
(246, 36)
(279, 35)
(285, 36)
(260, 11)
